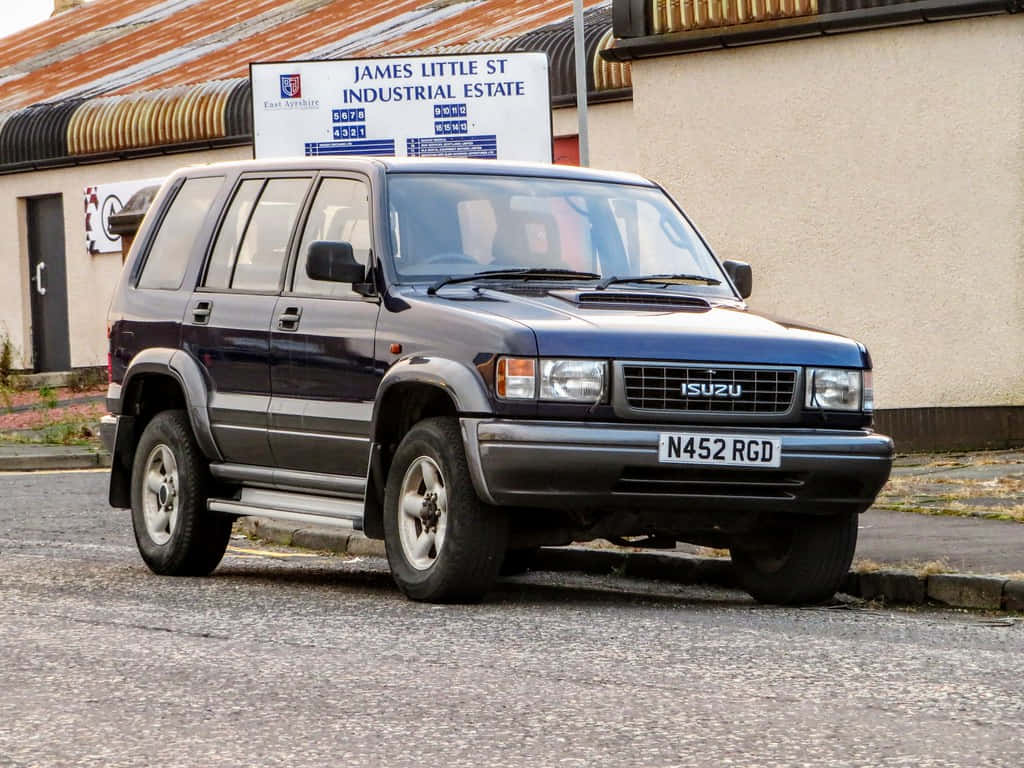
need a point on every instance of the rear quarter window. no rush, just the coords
(168, 255)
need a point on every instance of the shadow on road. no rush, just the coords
(370, 575)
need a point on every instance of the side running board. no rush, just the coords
(294, 507)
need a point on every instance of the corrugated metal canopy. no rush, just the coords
(114, 76)
(557, 40)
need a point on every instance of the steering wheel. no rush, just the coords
(452, 256)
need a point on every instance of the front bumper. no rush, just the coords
(563, 465)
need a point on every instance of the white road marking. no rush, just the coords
(17, 473)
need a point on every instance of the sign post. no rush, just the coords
(579, 46)
(478, 105)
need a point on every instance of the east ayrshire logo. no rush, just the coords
(291, 86)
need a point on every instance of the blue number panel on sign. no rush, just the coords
(348, 115)
(349, 132)
(451, 127)
(484, 147)
(382, 147)
(442, 111)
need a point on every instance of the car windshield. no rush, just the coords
(450, 225)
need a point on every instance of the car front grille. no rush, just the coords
(709, 389)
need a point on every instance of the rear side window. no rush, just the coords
(232, 229)
(261, 255)
(169, 253)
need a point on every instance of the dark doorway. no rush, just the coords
(48, 284)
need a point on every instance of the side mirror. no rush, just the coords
(333, 261)
(741, 275)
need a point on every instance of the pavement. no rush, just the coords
(948, 529)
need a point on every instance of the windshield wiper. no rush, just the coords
(612, 279)
(527, 273)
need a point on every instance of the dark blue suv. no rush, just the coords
(471, 360)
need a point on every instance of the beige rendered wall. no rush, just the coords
(875, 181)
(91, 279)
(613, 139)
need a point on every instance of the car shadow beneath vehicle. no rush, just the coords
(533, 588)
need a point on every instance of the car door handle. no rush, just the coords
(201, 312)
(289, 319)
(40, 288)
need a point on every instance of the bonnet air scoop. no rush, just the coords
(632, 300)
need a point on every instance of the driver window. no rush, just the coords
(340, 212)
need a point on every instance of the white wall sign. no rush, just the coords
(100, 202)
(480, 105)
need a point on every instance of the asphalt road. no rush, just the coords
(319, 661)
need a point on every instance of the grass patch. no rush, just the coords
(77, 431)
(712, 552)
(865, 565)
(48, 397)
(931, 567)
(920, 568)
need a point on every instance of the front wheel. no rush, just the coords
(806, 565)
(443, 544)
(175, 533)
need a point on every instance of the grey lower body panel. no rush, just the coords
(562, 465)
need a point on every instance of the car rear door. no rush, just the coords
(324, 376)
(228, 320)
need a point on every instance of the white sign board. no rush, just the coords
(480, 105)
(100, 202)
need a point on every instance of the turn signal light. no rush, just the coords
(516, 378)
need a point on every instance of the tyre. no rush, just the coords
(443, 544)
(519, 561)
(806, 567)
(175, 533)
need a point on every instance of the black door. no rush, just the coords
(323, 375)
(51, 350)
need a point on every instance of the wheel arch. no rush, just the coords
(156, 380)
(415, 389)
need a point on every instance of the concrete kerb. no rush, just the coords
(893, 586)
(34, 461)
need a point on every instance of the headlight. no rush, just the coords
(573, 381)
(580, 381)
(834, 389)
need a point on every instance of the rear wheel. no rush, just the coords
(443, 545)
(804, 565)
(175, 533)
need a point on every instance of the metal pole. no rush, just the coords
(581, 81)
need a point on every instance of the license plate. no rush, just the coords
(719, 450)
